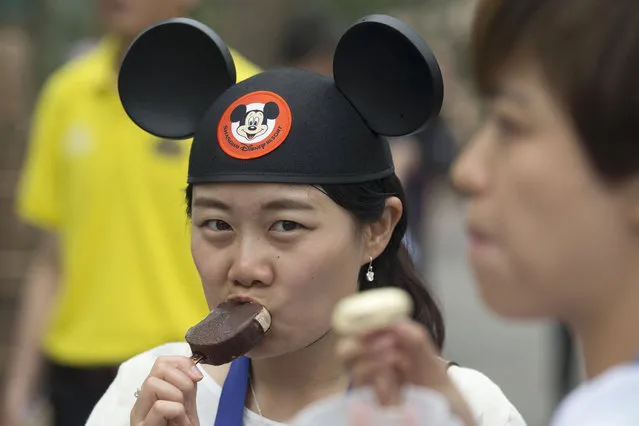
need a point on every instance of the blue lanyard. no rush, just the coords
(230, 411)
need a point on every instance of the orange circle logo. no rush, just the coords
(254, 125)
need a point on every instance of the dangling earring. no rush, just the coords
(370, 275)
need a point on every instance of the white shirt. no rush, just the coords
(612, 399)
(490, 406)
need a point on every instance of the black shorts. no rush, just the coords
(74, 391)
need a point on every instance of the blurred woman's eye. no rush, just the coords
(216, 225)
(286, 226)
(509, 127)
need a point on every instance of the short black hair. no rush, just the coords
(589, 53)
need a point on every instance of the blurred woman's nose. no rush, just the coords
(250, 264)
(469, 173)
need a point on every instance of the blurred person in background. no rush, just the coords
(82, 47)
(308, 42)
(113, 275)
(421, 161)
(552, 180)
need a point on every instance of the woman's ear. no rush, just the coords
(380, 232)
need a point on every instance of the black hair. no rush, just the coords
(394, 267)
(588, 52)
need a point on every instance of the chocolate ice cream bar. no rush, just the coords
(229, 331)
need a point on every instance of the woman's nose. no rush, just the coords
(251, 266)
(469, 173)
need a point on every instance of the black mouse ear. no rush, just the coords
(389, 74)
(171, 74)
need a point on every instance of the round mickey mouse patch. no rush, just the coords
(254, 125)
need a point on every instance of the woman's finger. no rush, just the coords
(164, 413)
(387, 387)
(154, 389)
(182, 363)
(413, 336)
(401, 364)
(349, 350)
(425, 367)
(171, 379)
(186, 385)
(368, 367)
(364, 369)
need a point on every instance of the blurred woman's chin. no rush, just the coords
(505, 302)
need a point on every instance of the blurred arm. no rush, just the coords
(38, 202)
(37, 297)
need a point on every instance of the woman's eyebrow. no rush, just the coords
(274, 205)
(212, 203)
(287, 204)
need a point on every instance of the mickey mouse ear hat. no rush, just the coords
(178, 81)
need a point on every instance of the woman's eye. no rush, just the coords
(217, 225)
(285, 226)
(509, 127)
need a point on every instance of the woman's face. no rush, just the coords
(547, 236)
(289, 247)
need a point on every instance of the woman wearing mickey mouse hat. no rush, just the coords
(294, 204)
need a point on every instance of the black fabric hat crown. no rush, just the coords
(178, 80)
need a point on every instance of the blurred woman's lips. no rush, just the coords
(478, 239)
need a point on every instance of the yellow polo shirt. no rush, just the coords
(114, 195)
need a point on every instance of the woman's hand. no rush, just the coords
(402, 354)
(168, 395)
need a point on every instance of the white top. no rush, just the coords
(612, 399)
(490, 406)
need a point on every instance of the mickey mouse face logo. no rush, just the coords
(252, 121)
(254, 125)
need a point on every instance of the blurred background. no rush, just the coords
(38, 36)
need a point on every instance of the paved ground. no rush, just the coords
(518, 357)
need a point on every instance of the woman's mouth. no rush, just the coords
(242, 299)
(479, 241)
